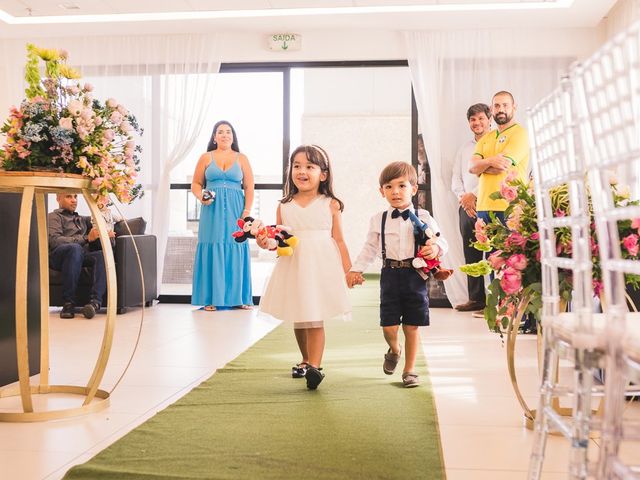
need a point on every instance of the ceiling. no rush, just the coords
(19, 18)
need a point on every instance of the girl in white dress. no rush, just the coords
(309, 287)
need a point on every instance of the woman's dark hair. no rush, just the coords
(212, 141)
(317, 156)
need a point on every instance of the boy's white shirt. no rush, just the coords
(399, 240)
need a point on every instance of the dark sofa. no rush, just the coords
(129, 291)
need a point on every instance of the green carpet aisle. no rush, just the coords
(251, 420)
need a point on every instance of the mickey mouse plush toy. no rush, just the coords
(424, 235)
(278, 236)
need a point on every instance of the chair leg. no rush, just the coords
(583, 380)
(615, 383)
(541, 426)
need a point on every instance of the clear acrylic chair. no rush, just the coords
(572, 335)
(607, 87)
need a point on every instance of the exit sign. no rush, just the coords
(285, 41)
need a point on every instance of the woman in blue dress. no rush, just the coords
(222, 267)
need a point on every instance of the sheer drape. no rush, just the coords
(623, 14)
(451, 71)
(166, 81)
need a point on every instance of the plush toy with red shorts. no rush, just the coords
(426, 236)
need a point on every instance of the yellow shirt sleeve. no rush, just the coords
(517, 147)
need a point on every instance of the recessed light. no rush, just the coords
(68, 6)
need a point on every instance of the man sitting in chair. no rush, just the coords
(69, 237)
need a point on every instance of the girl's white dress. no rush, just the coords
(309, 286)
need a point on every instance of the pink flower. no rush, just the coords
(112, 103)
(481, 236)
(597, 287)
(496, 260)
(66, 123)
(513, 222)
(108, 135)
(74, 107)
(511, 281)
(630, 242)
(516, 239)
(517, 261)
(511, 176)
(559, 213)
(116, 118)
(535, 236)
(508, 192)
(635, 223)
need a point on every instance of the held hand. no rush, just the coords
(354, 278)
(112, 234)
(206, 202)
(430, 251)
(468, 201)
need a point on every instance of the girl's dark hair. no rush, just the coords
(317, 156)
(212, 141)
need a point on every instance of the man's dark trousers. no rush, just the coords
(475, 285)
(69, 258)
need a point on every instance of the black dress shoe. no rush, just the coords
(313, 376)
(90, 309)
(470, 306)
(68, 310)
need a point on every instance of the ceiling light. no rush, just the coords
(68, 6)
(283, 12)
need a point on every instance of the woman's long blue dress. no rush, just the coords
(222, 266)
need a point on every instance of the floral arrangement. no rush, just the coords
(515, 247)
(60, 127)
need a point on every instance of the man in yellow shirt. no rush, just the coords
(499, 151)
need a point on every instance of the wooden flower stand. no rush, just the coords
(36, 185)
(512, 335)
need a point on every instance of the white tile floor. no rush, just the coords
(480, 420)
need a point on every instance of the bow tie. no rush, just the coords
(397, 213)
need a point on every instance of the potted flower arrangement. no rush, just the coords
(515, 246)
(60, 127)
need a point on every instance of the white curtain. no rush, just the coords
(451, 71)
(166, 81)
(621, 16)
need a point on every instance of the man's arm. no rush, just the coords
(457, 185)
(491, 165)
(56, 232)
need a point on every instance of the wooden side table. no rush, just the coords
(36, 185)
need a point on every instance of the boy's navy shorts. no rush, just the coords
(403, 298)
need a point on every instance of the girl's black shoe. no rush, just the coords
(314, 377)
(299, 370)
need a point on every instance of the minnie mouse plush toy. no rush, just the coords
(278, 236)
